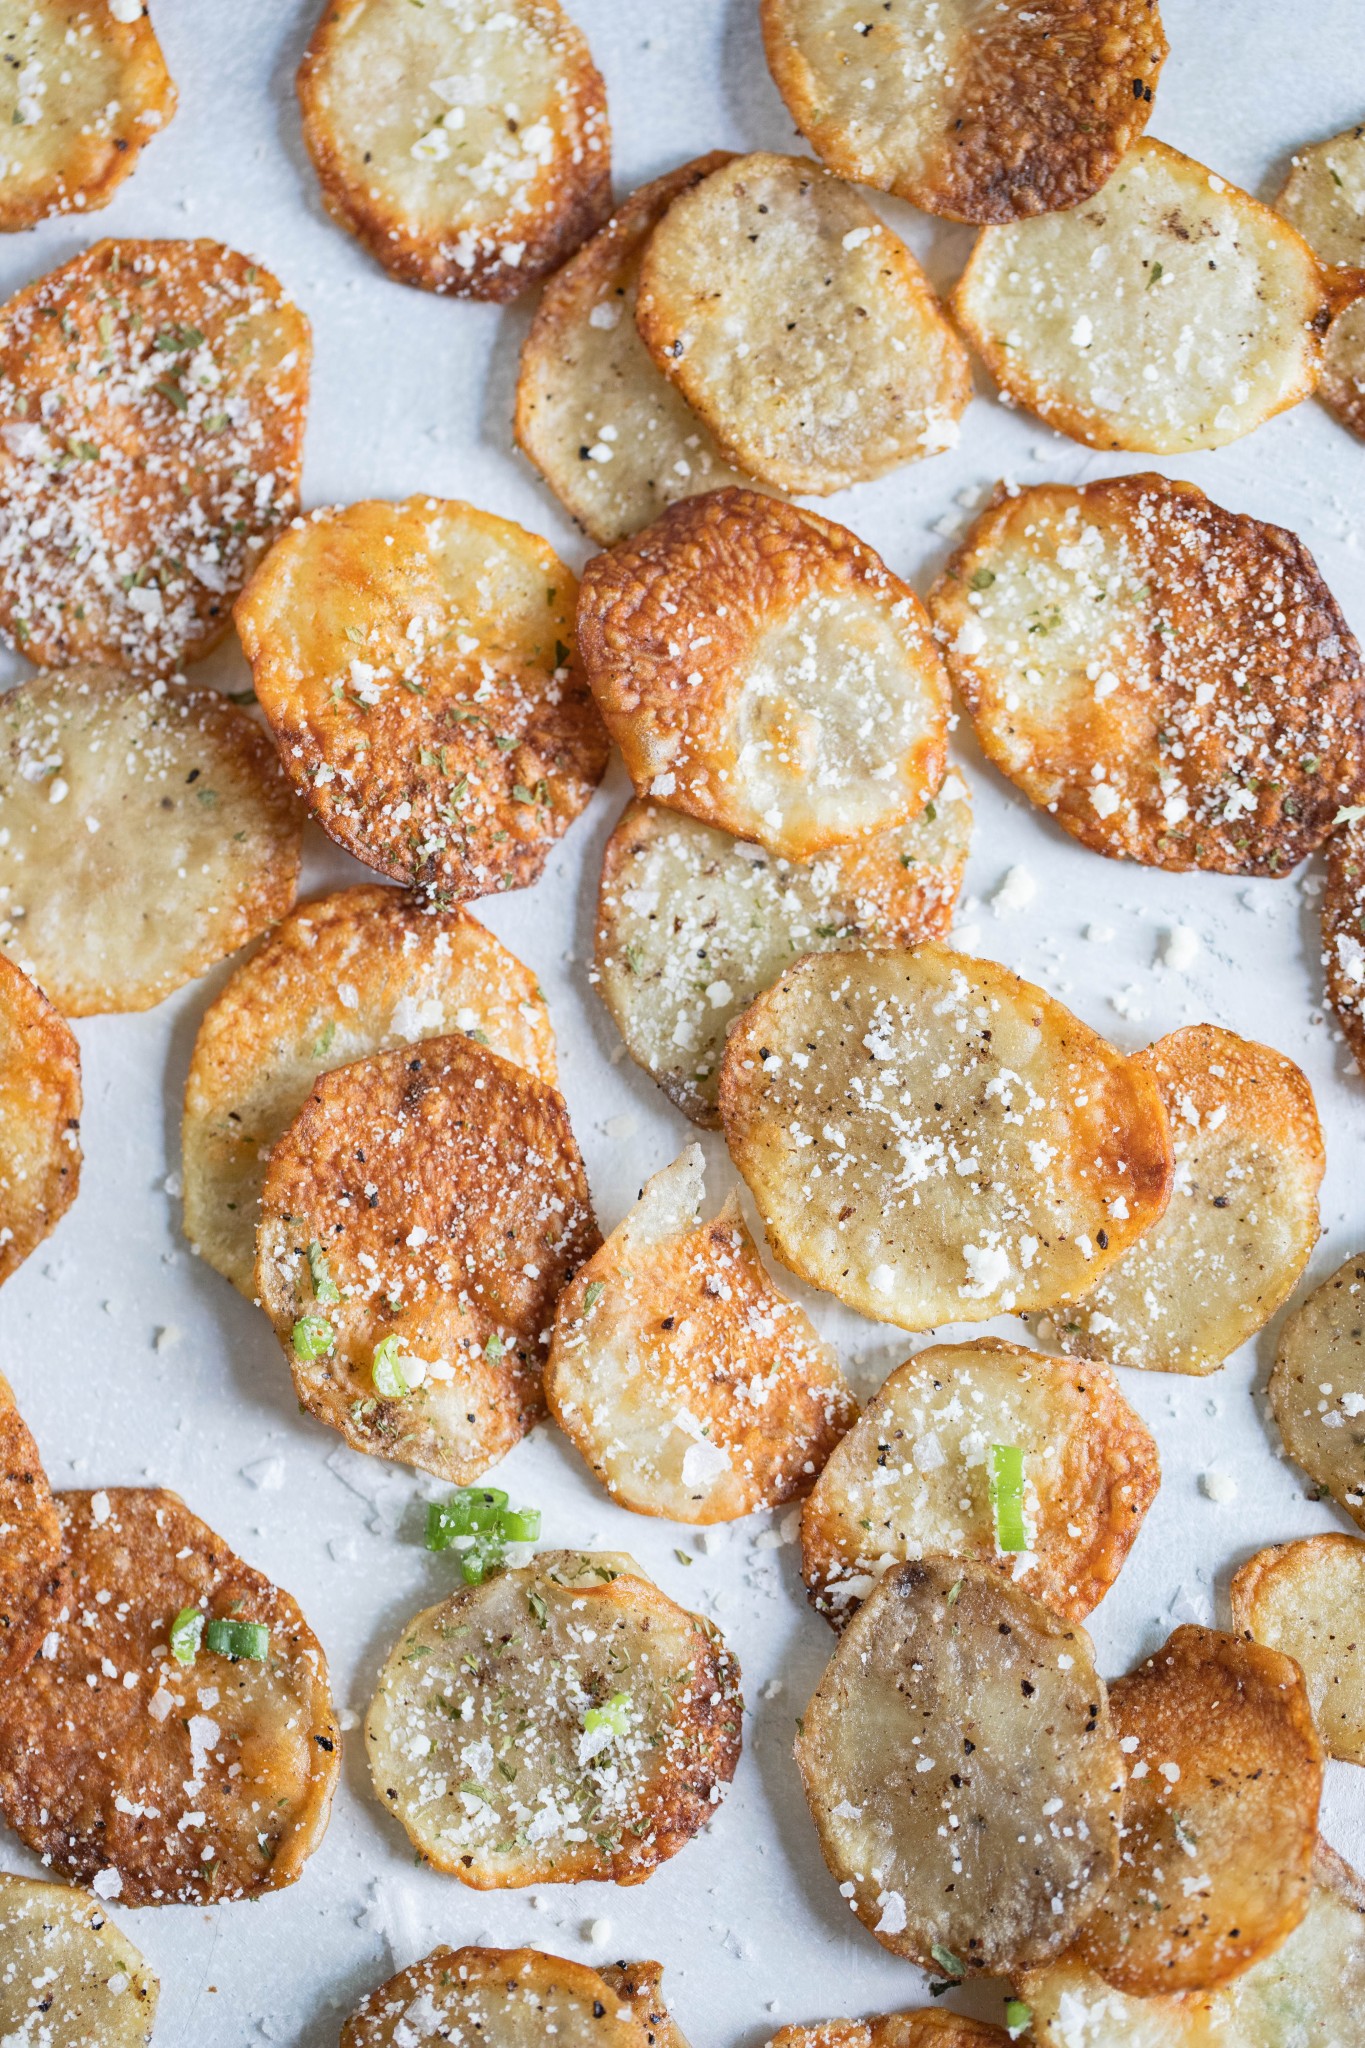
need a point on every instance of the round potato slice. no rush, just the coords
(1317, 1389)
(40, 1116)
(1173, 312)
(915, 1474)
(465, 145)
(1324, 198)
(1307, 1600)
(33, 1580)
(351, 974)
(561, 1722)
(1241, 1221)
(507, 1998)
(164, 805)
(962, 1772)
(762, 670)
(934, 1140)
(416, 663)
(68, 1977)
(1343, 932)
(1174, 683)
(152, 404)
(692, 924)
(799, 327)
(154, 1781)
(928, 2028)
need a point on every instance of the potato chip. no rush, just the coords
(934, 1140)
(762, 670)
(962, 1772)
(929, 2028)
(1219, 1819)
(692, 924)
(688, 1383)
(40, 1117)
(347, 975)
(1343, 931)
(1241, 1221)
(466, 146)
(1324, 198)
(33, 1579)
(799, 327)
(68, 1977)
(163, 804)
(116, 1767)
(1172, 312)
(152, 404)
(418, 1220)
(917, 1472)
(979, 114)
(1307, 1600)
(1317, 1389)
(1174, 683)
(559, 1722)
(417, 665)
(504, 1998)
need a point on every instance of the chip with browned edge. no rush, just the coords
(1324, 198)
(513, 1998)
(68, 1977)
(1317, 1389)
(33, 1579)
(40, 1117)
(928, 2028)
(1343, 929)
(1307, 1599)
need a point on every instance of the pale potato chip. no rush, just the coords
(1317, 1389)
(416, 663)
(616, 1711)
(934, 1140)
(688, 1383)
(33, 1579)
(164, 805)
(692, 924)
(799, 327)
(916, 1473)
(1241, 1221)
(1343, 930)
(929, 2028)
(1174, 683)
(762, 670)
(347, 975)
(504, 1998)
(68, 1977)
(1324, 198)
(465, 145)
(1307, 1600)
(961, 1769)
(40, 1117)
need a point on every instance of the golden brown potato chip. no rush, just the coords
(641, 1985)
(1174, 683)
(761, 669)
(799, 327)
(1317, 1389)
(505, 1998)
(1241, 1221)
(1219, 1818)
(1343, 931)
(934, 1140)
(152, 403)
(68, 1977)
(977, 113)
(465, 145)
(418, 1220)
(33, 1580)
(348, 975)
(561, 1722)
(916, 1473)
(40, 1116)
(152, 1780)
(1324, 198)
(1307, 1600)
(162, 804)
(929, 2028)
(417, 665)
(690, 1385)
(962, 1772)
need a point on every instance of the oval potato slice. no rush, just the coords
(1241, 1221)
(961, 1769)
(799, 327)
(476, 1735)
(928, 2028)
(1343, 932)
(506, 1998)
(163, 804)
(1307, 1600)
(762, 670)
(68, 1976)
(33, 1580)
(115, 1765)
(351, 974)
(933, 1140)
(1173, 683)
(40, 1117)
(416, 664)
(1317, 1389)
(1324, 198)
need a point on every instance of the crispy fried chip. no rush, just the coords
(979, 114)
(1172, 312)
(1174, 683)
(799, 327)
(1241, 1221)
(914, 1474)
(40, 1117)
(113, 1768)
(928, 2028)
(152, 403)
(430, 1201)
(690, 1385)
(68, 1977)
(1317, 1389)
(416, 662)
(162, 804)
(762, 670)
(345, 976)
(1324, 198)
(962, 1772)
(1307, 1600)
(506, 1998)
(934, 1140)
(1343, 931)
(692, 924)
(1219, 1819)
(622, 1711)
(33, 1580)
(465, 145)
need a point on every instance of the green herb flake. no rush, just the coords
(540, 1613)
(325, 1288)
(592, 1294)
(981, 579)
(947, 1961)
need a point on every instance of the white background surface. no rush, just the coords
(414, 393)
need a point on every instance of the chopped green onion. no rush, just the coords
(238, 1639)
(386, 1369)
(1007, 1497)
(614, 1716)
(325, 1288)
(1018, 2017)
(478, 1523)
(480, 1556)
(313, 1337)
(947, 1961)
(186, 1630)
(519, 1525)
